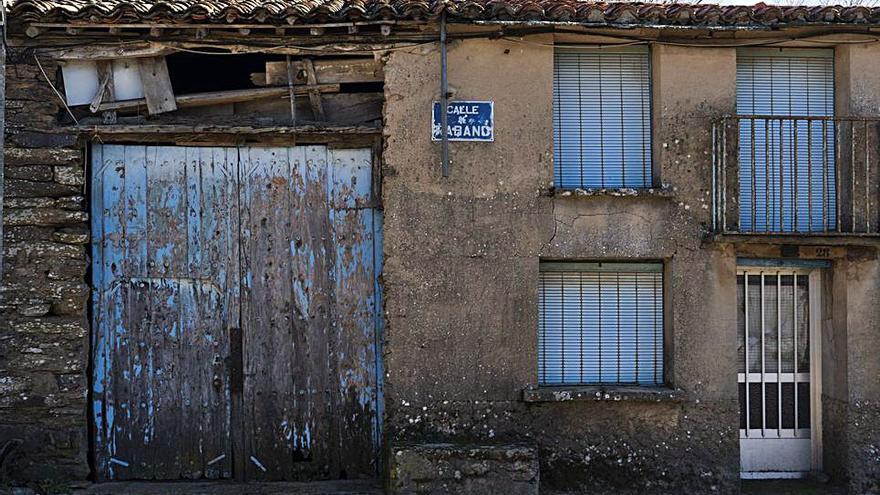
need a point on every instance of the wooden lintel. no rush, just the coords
(221, 97)
(154, 129)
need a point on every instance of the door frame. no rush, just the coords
(814, 277)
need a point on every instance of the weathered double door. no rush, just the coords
(236, 313)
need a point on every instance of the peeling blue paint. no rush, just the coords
(154, 236)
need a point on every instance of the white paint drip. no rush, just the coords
(217, 459)
(258, 463)
(118, 461)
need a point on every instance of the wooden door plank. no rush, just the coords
(161, 338)
(266, 311)
(308, 313)
(109, 170)
(211, 246)
(354, 309)
(312, 254)
(162, 324)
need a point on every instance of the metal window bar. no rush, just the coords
(600, 324)
(794, 175)
(602, 118)
(777, 412)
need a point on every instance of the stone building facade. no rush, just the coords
(459, 400)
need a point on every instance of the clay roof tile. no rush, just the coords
(293, 11)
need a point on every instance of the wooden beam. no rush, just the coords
(291, 91)
(353, 70)
(314, 95)
(221, 97)
(92, 52)
(148, 130)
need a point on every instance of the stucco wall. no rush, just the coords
(461, 277)
(461, 271)
(858, 76)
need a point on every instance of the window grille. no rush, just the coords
(774, 352)
(602, 118)
(787, 168)
(600, 323)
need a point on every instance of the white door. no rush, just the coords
(778, 315)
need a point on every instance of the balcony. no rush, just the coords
(796, 177)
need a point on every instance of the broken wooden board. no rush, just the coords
(354, 70)
(157, 85)
(105, 87)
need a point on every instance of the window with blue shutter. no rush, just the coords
(602, 118)
(787, 171)
(600, 323)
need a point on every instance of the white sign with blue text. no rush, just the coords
(465, 121)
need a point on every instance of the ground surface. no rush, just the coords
(348, 487)
(797, 487)
(369, 487)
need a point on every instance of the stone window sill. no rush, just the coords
(604, 394)
(655, 192)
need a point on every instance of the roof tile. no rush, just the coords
(299, 11)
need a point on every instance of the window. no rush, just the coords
(787, 170)
(602, 118)
(600, 323)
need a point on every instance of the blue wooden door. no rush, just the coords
(236, 313)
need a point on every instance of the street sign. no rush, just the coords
(465, 121)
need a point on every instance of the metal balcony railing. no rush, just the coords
(795, 175)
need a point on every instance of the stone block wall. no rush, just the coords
(44, 293)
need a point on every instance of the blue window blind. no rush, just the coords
(602, 118)
(600, 323)
(787, 169)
